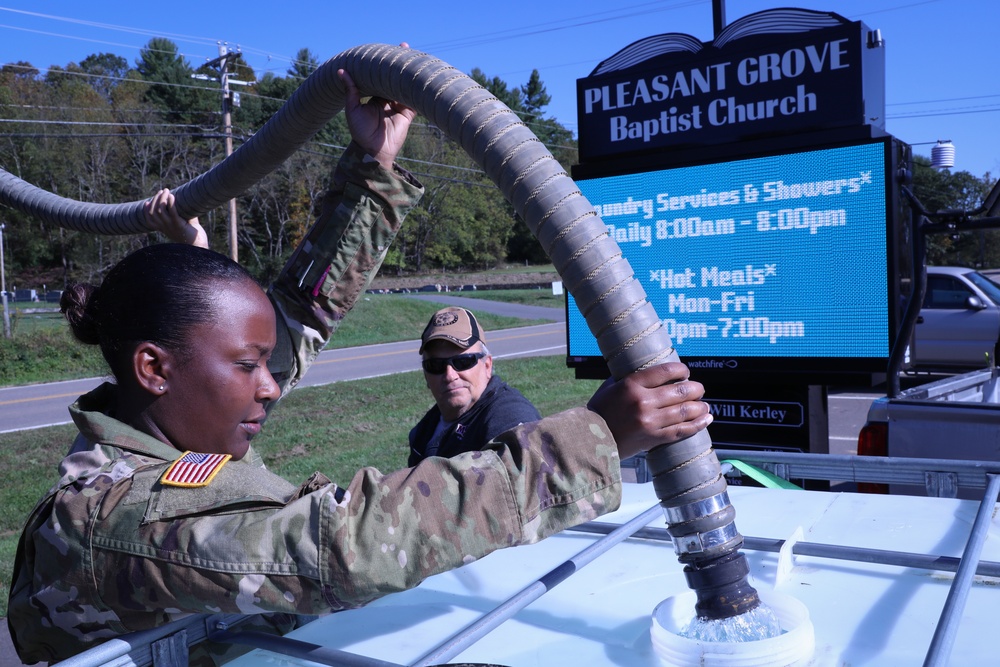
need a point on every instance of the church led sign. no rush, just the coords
(775, 72)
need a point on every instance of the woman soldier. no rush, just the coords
(163, 508)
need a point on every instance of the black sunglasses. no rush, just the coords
(460, 362)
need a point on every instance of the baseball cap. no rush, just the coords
(455, 325)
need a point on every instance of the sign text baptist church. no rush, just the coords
(774, 72)
(719, 80)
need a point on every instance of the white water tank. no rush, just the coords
(943, 155)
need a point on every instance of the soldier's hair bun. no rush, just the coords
(77, 304)
(158, 294)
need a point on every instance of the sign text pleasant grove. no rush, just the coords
(748, 88)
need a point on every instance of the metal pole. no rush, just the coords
(297, 649)
(985, 568)
(718, 16)
(954, 605)
(227, 127)
(3, 288)
(486, 623)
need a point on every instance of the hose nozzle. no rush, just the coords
(721, 587)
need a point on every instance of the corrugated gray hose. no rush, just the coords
(687, 476)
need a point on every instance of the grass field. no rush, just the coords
(43, 350)
(529, 297)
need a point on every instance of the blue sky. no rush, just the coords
(940, 54)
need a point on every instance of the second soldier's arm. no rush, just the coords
(361, 214)
(331, 267)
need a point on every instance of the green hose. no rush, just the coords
(762, 477)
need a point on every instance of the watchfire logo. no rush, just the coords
(713, 363)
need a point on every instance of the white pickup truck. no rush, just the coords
(956, 418)
(952, 419)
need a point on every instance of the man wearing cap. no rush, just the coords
(472, 405)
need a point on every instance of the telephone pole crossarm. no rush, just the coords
(226, 58)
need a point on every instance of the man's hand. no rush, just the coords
(652, 407)
(379, 126)
(161, 213)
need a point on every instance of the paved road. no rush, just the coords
(35, 406)
(496, 307)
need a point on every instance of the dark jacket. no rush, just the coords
(499, 409)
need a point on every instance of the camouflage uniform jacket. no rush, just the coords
(337, 259)
(111, 549)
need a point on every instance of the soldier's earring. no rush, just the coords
(160, 388)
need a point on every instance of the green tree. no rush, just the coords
(171, 87)
(132, 130)
(106, 72)
(24, 96)
(497, 86)
(534, 97)
(304, 64)
(274, 91)
(940, 190)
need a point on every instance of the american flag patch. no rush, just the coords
(194, 469)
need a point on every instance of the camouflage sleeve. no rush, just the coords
(323, 547)
(120, 551)
(394, 530)
(337, 259)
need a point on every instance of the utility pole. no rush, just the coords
(3, 287)
(229, 100)
(718, 16)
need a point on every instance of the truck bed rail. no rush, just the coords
(850, 468)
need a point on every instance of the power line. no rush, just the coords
(892, 9)
(28, 121)
(463, 42)
(565, 125)
(618, 13)
(931, 114)
(400, 159)
(86, 39)
(536, 29)
(81, 135)
(107, 77)
(90, 122)
(216, 135)
(446, 45)
(192, 39)
(97, 109)
(898, 116)
(947, 99)
(107, 26)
